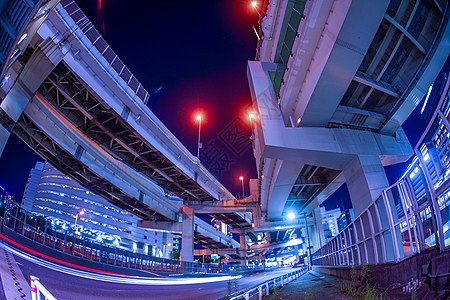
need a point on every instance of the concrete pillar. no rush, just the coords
(365, 179)
(297, 256)
(4, 135)
(316, 231)
(187, 235)
(164, 242)
(243, 249)
(39, 66)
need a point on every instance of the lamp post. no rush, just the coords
(164, 251)
(309, 243)
(79, 212)
(252, 117)
(241, 178)
(199, 144)
(254, 4)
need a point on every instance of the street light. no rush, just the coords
(252, 117)
(291, 216)
(164, 252)
(199, 145)
(79, 212)
(309, 243)
(254, 4)
(241, 178)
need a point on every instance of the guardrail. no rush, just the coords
(65, 242)
(264, 288)
(113, 61)
(408, 217)
(38, 290)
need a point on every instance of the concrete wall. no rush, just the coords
(435, 265)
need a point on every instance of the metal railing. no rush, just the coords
(38, 290)
(264, 288)
(289, 33)
(65, 242)
(114, 63)
(408, 217)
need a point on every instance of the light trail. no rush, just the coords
(107, 276)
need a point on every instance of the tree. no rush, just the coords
(174, 254)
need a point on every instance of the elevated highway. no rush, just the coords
(331, 87)
(72, 100)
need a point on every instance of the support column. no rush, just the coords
(243, 248)
(297, 256)
(261, 258)
(38, 67)
(316, 232)
(4, 135)
(187, 235)
(366, 180)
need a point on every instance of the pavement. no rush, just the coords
(71, 284)
(317, 286)
(13, 283)
(312, 285)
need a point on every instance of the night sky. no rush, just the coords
(192, 57)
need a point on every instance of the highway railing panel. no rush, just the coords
(264, 288)
(23, 223)
(38, 291)
(104, 49)
(409, 216)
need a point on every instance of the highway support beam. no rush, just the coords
(357, 155)
(366, 179)
(44, 59)
(316, 231)
(187, 234)
(243, 248)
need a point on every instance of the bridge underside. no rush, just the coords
(309, 183)
(43, 145)
(95, 119)
(67, 94)
(208, 242)
(39, 141)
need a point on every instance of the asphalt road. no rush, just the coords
(64, 286)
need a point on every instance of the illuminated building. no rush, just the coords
(57, 197)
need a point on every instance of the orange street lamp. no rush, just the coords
(241, 178)
(252, 117)
(79, 212)
(199, 145)
(254, 4)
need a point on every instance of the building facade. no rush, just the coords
(56, 197)
(346, 217)
(330, 222)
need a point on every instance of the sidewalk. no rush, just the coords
(13, 284)
(316, 286)
(312, 285)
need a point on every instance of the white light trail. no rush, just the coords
(138, 280)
